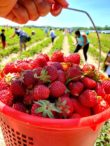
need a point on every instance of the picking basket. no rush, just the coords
(20, 129)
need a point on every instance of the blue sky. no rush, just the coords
(99, 10)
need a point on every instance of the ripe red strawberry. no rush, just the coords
(106, 97)
(17, 88)
(57, 89)
(10, 68)
(88, 98)
(89, 83)
(75, 115)
(57, 56)
(76, 88)
(55, 9)
(28, 98)
(106, 85)
(44, 56)
(100, 89)
(101, 105)
(44, 108)
(40, 61)
(41, 92)
(74, 73)
(6, 97)
(61, 76)
(80, 109)
(19, 107)
(37, 73)
(56, 64)
(66, 106)
(3, 84)
(89, 70)
(28, 78)
(23, 65)
(73, 58)
(48, 74)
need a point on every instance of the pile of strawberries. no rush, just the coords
(54, 87)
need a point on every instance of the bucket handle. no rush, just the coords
(99, 42)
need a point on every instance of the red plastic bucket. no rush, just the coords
(20, 129)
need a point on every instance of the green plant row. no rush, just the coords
(57, 44)
(35, 50)
(71, 43)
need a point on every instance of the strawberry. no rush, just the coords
(61, 76)
(107, 98)
(55, 9)
(88, 98)
(40, 61)
(56, 64)
(76, 88)
(106, 85)
(101, 105)
(89, 83)
(28, 78)
(65, 105)
(20, 107)
(89, 70)
(6, 97)
(10, 68)
(57, 89)
(48, 74)
(57, 56)
(44, 56)
(3, 84)
(17, 88)
(100, 89)
(80, 109)
(73, 58)
(23, 65)
(74, 73)
(28, 98)
(44, 108)
(41, 92)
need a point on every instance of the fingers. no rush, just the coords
(20, 13)
(31, 9)
(43, 7)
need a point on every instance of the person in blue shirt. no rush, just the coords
(52, 35)
(82, 43)
(23, 38)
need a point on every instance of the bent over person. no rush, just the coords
(82, 43)
(23, 38)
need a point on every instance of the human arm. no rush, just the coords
(75, 41)
(107, 61)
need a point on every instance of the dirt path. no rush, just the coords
(2, 143)
(66, 46)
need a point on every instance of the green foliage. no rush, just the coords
(57, 44)
(104, 137)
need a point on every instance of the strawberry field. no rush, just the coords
(41, 43)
